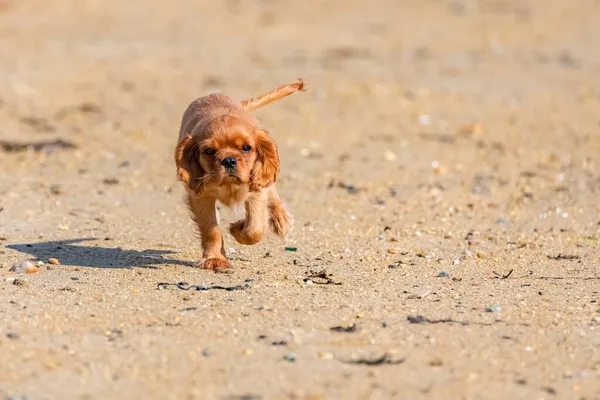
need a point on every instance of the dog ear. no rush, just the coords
(266, 167)
(187, 160)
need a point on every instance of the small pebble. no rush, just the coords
(206, 352)
(291, 248)
(493, 309)
(54, 261)
(12, 335)
(291, 357)
(443, 275)
(422, 292)
(470, 129)
(24, 267)
(420, 253)
(438, 169)
(392, 250)
(390, 155)
(20, 282)
(436, 362)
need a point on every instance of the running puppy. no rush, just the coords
(224, 155)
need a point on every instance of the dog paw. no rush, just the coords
(236, 230)
(218, 265)
(281, 221)
(243, 236)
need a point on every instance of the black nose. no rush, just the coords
(229, 162)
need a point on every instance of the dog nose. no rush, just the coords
(229, 162)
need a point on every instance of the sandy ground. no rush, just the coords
(457, 139)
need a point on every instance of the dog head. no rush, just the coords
(227, 150)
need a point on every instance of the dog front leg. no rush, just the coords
(251, 230)
(204, 213)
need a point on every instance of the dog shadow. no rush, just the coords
(71, 254)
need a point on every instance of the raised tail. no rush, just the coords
(271, 96)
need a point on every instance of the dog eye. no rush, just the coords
(209, 152)
(246, 148)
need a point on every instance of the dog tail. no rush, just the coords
(271, 96)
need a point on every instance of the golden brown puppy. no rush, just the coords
(224, 155)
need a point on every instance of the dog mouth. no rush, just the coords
(231, 177)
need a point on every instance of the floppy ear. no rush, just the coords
(265, 170)
(187, 161)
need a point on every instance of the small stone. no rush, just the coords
(317, 270)
(420, 253)
(111, 181)
(436, 362)
(248, 352)
(470, 129)
(422, 292)
(291, 357)
(438, 168)
(12, 335)
(206, 352)
(325, 356)
(424, 119)
(54, 261)
(25, 267)
(493, 309)
(481, 254)
(390, 155)
(443, 275)
(20, 282)
(294, 249)
(392, 250)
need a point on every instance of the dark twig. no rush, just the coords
(500, 276)
(349, 329)
(182, 286)
(419, 319)
(384, 359)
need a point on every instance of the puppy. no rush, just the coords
(224, 155)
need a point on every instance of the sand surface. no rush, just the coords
(458, 139)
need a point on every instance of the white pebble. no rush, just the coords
(390, 155)
(424, 119)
